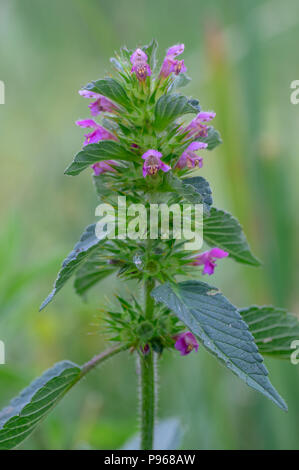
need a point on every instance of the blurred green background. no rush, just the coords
(242, 57)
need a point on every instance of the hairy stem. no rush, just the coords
(100, 358)
(148, 380)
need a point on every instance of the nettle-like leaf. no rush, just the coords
(273, 329)
(194, 190)
(213, 138)
(111, 89)
(170, 107)
(92, 272)
(82, 250)
(151, 51)
(179, 81)
(19, 419)
(201, 187)
(92, 153)
(221, 330)
(223, 230)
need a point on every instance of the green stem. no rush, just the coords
(148, 380)
(100, 358)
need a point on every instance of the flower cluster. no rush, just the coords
(151, 158)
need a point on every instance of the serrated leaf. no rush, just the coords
(24, 413)
(179, 81)
(170, 107)
(213, 138)
(220, 328)
(273, 329)
(194, 190)
(111, 89)
(92, 153)
(90, 273)
(151, 51)
(82, 250)
(223, 230)
(201, 187)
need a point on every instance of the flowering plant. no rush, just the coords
(144, 148)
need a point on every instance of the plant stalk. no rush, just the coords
(148, 380)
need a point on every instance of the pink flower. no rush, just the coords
(186, 342)
(208, 259)
(99, 132)
(189, 158)
(153, 163)
(170, 64)
(140, 65)
(196, 127)
(101, 104)
(103, 167)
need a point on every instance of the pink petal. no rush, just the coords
(165, 167)
(88, 94)
(153, 152)
(87, 123)
(178, 49)
(197, 146)
(218, 253)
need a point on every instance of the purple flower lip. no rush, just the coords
(189, 158)
(153, 163)
(178, 49)
(138, 56)
(103, 167)
(170, 64)
(185, 343)
(207, 259)
(99, 132)
(102, 104)
(196, 127)
(140, 65)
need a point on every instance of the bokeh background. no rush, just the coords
(242, 57)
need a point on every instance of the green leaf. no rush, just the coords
(91, 272)
(194, 190)
(151, 51)
(273, 329)
(213, 138)
(82, 250)
(179, 81)
(220, 328)
(199, 186)
(116, 64)
(111, 89)
(221, 229)
(104, 150)
(170, 107)
(24, 413)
